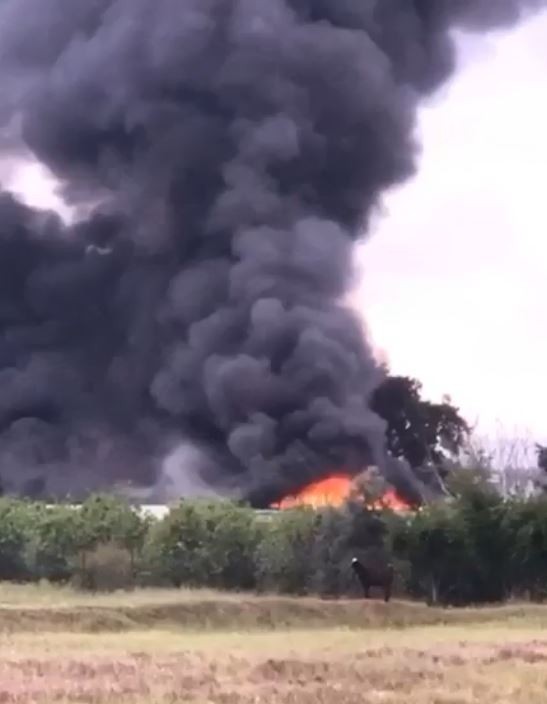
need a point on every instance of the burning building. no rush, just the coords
(185, 331)
(336, 489)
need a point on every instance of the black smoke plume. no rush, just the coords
(222, 156)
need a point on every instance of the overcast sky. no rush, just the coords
(453, 282)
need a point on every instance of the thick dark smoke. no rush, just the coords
(229, 152)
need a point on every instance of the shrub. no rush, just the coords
(476, 548)
(53, 543)
(526, 523)
(480, 511)
(104, 518)
(284, 555)
(108, 567)
(459, 552)
(16, 520)
(434, 543)
(205, 543)
(343, 533)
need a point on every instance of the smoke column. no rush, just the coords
(223, 155)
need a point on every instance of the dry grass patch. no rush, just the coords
(440, 673)
(162, 647)
(37, 608)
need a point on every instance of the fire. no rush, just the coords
(393, 501)
(332, 491)
(335, 490)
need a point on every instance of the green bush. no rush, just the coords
(525, 524)
(475, 548)
(481, 512)
(16, 520)
(459, 552)
(52, 543)
(105, 519)
(108, 567)
(284, 555)
(205, 543)
(343, 533)
(434, 544)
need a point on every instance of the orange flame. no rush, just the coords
(332, 491)
(335, 490)
(393, 501)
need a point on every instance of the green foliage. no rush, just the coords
(283, 560)
(52, 542)
(304, 550)
(331, 553)
(206, 543)
(481, 511)
(460, 552)
(526, 522)
(475, 548)
(104, 519)
(352, 531)
(434, 544)
(16, 518)
(108, 567)
(419, 431)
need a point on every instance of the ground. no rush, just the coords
(155, 647)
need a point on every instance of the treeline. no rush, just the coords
(477, 548)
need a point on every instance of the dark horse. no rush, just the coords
(374, 576)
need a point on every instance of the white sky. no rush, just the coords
(454, 279)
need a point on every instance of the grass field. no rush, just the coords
(151, 646)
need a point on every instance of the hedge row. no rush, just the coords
(476, 548)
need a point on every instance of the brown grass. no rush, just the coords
(204, 647)
(436, 672)
(42, 607)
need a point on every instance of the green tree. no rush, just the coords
(104, 519)
(419, 431)
(434, 543)
(459, 552)
(482, 512)
(526, 524)
(284, 556)
(354, 530)
(331, 573)
(234, 535)
(206, 543)
(53, 542)
(16, 518)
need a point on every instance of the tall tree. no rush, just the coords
(419, 431)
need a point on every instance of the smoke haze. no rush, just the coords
(222, 157)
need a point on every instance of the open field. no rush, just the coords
(152, 649)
